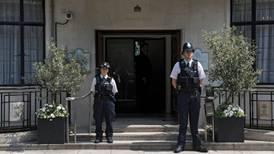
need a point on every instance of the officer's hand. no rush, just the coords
(70, 98)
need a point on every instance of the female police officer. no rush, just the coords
(187, 76)
(104, 89)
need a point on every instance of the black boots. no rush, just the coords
(99, 139)
(109, 140)
(201, 148)
(179, 148)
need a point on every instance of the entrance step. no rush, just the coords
(143, 128)
(132, 136)
(132, 129)
(140, 145)
(259, 135)
(18, 137)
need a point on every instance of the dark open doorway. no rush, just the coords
(139, 69)
(138, 60)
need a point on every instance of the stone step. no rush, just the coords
(143, 128)
(140, 145)
(18, 137)
(162, 135)
(259, 135)
(130, 136)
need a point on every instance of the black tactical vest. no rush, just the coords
(103, 87)
(188, 78)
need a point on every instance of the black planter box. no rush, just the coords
(229, 129)
(52, 132)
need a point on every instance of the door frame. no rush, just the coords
(100, 54)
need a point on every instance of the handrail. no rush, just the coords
(80, 97)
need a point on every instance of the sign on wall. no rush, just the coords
(264, 110)
(16, 111)
(82, 57)
(202, 57)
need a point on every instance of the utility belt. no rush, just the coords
(102, 96)
(192, 90)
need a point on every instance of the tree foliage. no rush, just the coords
(233, 59)
(59, 73)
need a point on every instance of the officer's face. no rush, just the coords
(188, 54)
(104, 71)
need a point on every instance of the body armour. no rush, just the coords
(188, 78)
(103, 87)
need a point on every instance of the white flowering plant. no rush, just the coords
(228, 110)
(51, 111)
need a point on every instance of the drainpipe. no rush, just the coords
(52, 14)
(54, 23)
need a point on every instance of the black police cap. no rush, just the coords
(188, 47)
(105, 65)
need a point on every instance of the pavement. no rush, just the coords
(126, 152)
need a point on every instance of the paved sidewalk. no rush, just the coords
(126, 152)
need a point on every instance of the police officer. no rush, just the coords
(104, 89)
(187, 76)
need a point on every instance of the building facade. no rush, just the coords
(113, 30)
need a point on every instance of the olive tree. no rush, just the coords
(58, 73)
(233, 58)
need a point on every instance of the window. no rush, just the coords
(255, 20)
(21, 40)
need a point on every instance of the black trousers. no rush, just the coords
(188, 106)
(103, 109)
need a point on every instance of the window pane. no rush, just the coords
(33, 44)
(33, 10)
(265, 10)
(265, 52)
(245, 31)
(10, 55)
(241, 10)
(9, 10)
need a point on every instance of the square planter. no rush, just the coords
(52, 132)
(229, 129)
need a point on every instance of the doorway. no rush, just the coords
(139, 65)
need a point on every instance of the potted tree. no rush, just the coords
(57, 74)
(232, 69)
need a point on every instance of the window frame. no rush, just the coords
(253, 23)
(21, 23)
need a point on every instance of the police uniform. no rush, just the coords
(188, 76)
(104, 88)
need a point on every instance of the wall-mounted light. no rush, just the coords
(137, 8)
(68, 15)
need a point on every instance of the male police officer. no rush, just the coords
(104, 89)
(187, 76)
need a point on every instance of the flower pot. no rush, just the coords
(229, 129)
(52, 131)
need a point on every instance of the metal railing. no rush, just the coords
(256, 103)
(18, 106)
